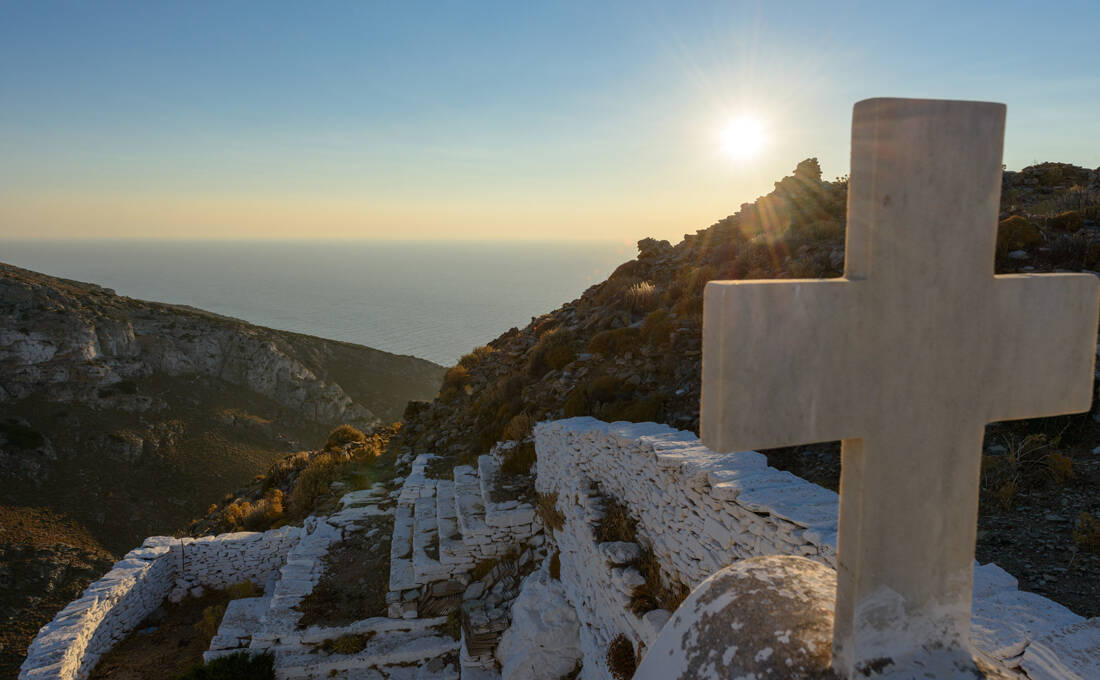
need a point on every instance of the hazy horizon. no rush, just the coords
(486, 122)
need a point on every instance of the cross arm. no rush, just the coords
(1046, 349)
(779, 359)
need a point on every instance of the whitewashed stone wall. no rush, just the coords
(701, 511)
(68, 647)
(698, 510)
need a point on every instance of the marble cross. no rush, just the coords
(905, 359)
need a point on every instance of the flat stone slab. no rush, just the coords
(1069, 653)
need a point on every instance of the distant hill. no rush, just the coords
(121, 418)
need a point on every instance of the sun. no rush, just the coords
(743, 137)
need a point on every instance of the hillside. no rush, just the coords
(630, 349)
(123, 418)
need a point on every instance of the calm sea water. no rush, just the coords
(435, 300)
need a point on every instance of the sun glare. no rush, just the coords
(742, 138)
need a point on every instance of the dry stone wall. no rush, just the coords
(700, 511)
(163, 568)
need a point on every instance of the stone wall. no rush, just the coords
(162, 568)
(700, 511)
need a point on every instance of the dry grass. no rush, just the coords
(616, 523)
(456, 381)
(478, 355)
(655, 593)
(641, 297)
(546, 504)
(621, 660)
(518, 460)
(518, 428)
(1028, 463)
(352, 643)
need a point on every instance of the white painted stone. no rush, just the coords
(1068, 653)
(543, 642)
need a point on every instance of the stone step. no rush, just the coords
(242, 618)
(418, 483)
(505, 514)
(402, 576)
(426, 565)
(385, 649)
(469, 502)
(452, 549)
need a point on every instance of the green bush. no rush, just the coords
(345, 434)
(1016, 233)
(1070, 221)
(239, 666)
(657, 327)
(552, 352)
(576, 403)
(615, 341)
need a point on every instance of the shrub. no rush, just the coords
(620, 658)
(207, 626)
(1069, 251)
(1087, 532)
(1016, 233)
(343, 435)
(517, 428)
(476, 356)
(576, 403)
(352, 643)
(1028, 463)
(606, 388)
(1070, 221)
(314, 480)
(237, 666)
(655, 593)
(263, 513)
(641, 410)
(546, 504)
(657, 327)
(618, 341)
(239, 591)
(455, 382)
(552, 351)
(518, 460)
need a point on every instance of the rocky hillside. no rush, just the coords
(121, 418)
(630, 349)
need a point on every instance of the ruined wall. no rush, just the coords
(700, 511)
(163, 568)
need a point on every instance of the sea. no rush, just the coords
(436, 300)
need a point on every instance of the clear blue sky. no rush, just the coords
(486, 120)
